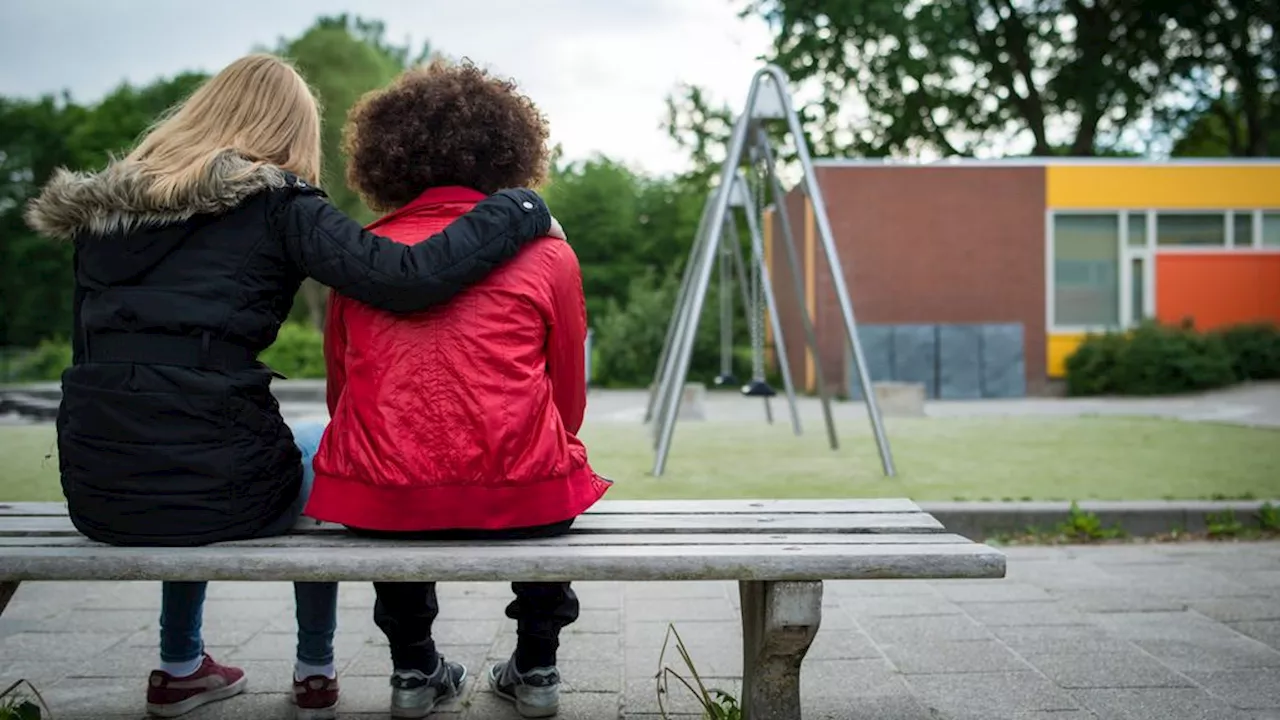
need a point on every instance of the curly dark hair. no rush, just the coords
(443, 124)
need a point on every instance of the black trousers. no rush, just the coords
(405, 611)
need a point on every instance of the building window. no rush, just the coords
(1137, 229)
(1086, 270)
(1271, 229)
(1242, 228)
(1191, 229)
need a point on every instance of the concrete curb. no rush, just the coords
(1138, 518)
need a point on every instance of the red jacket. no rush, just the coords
(464, 416)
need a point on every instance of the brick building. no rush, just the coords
(979, 278)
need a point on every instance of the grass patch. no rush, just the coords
(30, 468)
(1090, 458)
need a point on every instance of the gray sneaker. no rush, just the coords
(536, 693)
(414, 694)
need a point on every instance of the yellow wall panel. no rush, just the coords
(1060, 346)
(1163, 186)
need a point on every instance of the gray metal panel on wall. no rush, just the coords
(877, 348)
(915, 356)
(959, 362)
(1004, 372)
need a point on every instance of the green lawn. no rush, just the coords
(938, 459)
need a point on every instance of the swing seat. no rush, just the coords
(726, 380)
(758, 388)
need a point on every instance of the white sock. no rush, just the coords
(302, 671)
(181, 669)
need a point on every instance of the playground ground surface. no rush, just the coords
(938, 458)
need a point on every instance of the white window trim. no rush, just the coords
(1128, 253)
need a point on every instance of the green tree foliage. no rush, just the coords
(1227, 70)
(621, 225)
(1066, 78)
(955, 75)
(629, 336)
(1220, 130)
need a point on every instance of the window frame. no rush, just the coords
(1148, 251)
(1227, 228)
(1258, 230)
(1124, 263)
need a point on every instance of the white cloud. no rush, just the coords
(600, 69)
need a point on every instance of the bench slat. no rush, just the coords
(328, 541)
(32, 508)
(631, 507)
(512, 563)
(605, 523)
(712, 507)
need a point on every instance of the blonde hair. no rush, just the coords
(258, 107)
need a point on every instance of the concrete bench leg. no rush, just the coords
(779, 622)
(7, 589)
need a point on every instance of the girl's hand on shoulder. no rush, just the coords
(556, 231)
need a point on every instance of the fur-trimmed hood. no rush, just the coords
(116, 199)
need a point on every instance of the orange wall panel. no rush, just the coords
(1216, 289)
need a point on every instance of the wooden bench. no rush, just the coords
(779, 551)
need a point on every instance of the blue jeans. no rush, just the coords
(182, 607)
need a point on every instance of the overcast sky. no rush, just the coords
(599, 69)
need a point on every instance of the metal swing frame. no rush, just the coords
(767, 101)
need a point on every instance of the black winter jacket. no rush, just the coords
(168, 433)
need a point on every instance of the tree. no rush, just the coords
(1227, 63)
(1221, 131)
(621, 224)
(701, 127)
(955, 76)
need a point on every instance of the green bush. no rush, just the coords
(1159, 359)
(1091, 369)
(1152, 359)
(1254, 349)
(45, 363)
(298, 352)
(628, 338)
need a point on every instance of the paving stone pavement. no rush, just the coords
(1129, 632)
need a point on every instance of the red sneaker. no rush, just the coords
(316, 698)
(168, 696)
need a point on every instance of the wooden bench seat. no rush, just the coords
(779, 551)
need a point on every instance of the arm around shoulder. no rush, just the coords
(337, 251)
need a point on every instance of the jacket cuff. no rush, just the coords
(529, 202)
